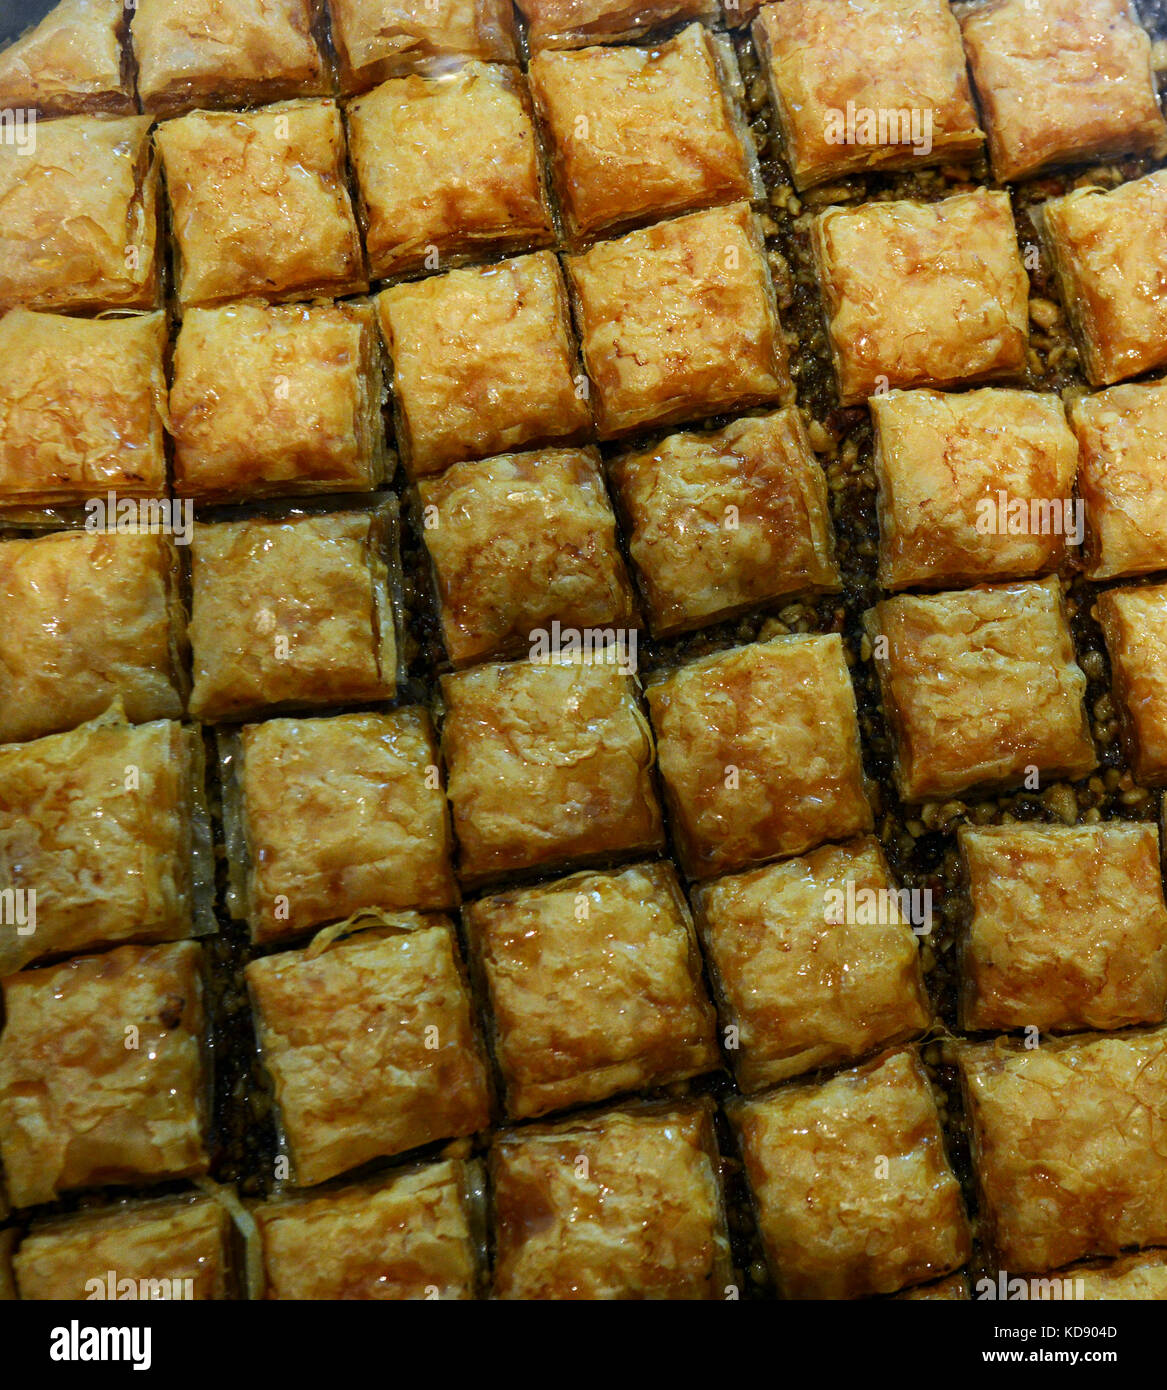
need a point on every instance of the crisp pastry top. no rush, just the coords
(80, 223)
(1134, 622)
(71, 63)
(375, 39)
(447, 166)
(624, 1204)
(871, 56)
(922, 294)
(640, 132)
(1091, 62)
(260, 204)
(576, 23)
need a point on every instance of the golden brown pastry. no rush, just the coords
(448, 169)
(1091, 62)
(594, 984)
(873, 84)
(759, 752)
(371, 1045)
(74, 62)
(80, 216)
(277, 400)
(678, 321)
(955, 1287)
(1068, 929)
(376, 39)
(1140, 1277)
(576, 23)
(519, 541)
(981, 689)
(922, 294)
(102, 1078)
(1134, 623)
(483, 362)
(260, 205)
(852, 1188)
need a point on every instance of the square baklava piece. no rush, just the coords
(80, 216)
(169, 1248)
(337, 815)
(834, 70)
(721, 521)
(1134, 623)
(101, 834)
(981, 689)
(549, 764)
(448, 169)
(295, 612)
(1122, 478)
(87, 618)
(483, 361)
(416, 1234)
(678, 321)
(594, 984)
(277, 399)
(905, 283)
(1091, 62)
(259, 204)
(759, 752)
(973, 486)
(519, 541)
(1109, 252)
(200, 53)
(852, 1188)
(626, 1204)
(1067, 1145)
(1068, 927)
(813, 962)
(74, 62)
(637, 134)
(371, 1045)
(376, 39)
(83, 403)
(103, 1078)
(579, 23)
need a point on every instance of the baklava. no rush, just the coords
(376, 39)
(72, 63)
(1134, 622)
(579, 23)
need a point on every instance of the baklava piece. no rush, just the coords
(1109, 252)
(483, 362)
(99, 832)
(338, 815)
(873, 84)
(578, 23)
(759, 752)
(1068, 929)
(550, 764)
(851, 1184)
(1067, 1145)
(260, 204)
(370, 1044)
(1122, 478)
(448, 169)
(102, 1074)
(972, 487)
(292, 613)
(719, 522)
(277, 399)
(73, 63)
(85, 619)
(922, 294)
(376, 39)
(1131, 1278)
(637, 134)
(814, 962)
(678, 321)
(626, 1204)
(170, 1248)
(1134, 623)
(519, 541)
(202, 53)
(981, 689)
(1091, 62)
(80, 216)
(594, 984)
(410, 1235)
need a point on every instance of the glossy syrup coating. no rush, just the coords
(1134, 622)
(70, 64)
(581, 23)
(376, 39)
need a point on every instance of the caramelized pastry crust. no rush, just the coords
(1134, 623)
(376, 39)
(578, 23)
(72, 63)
